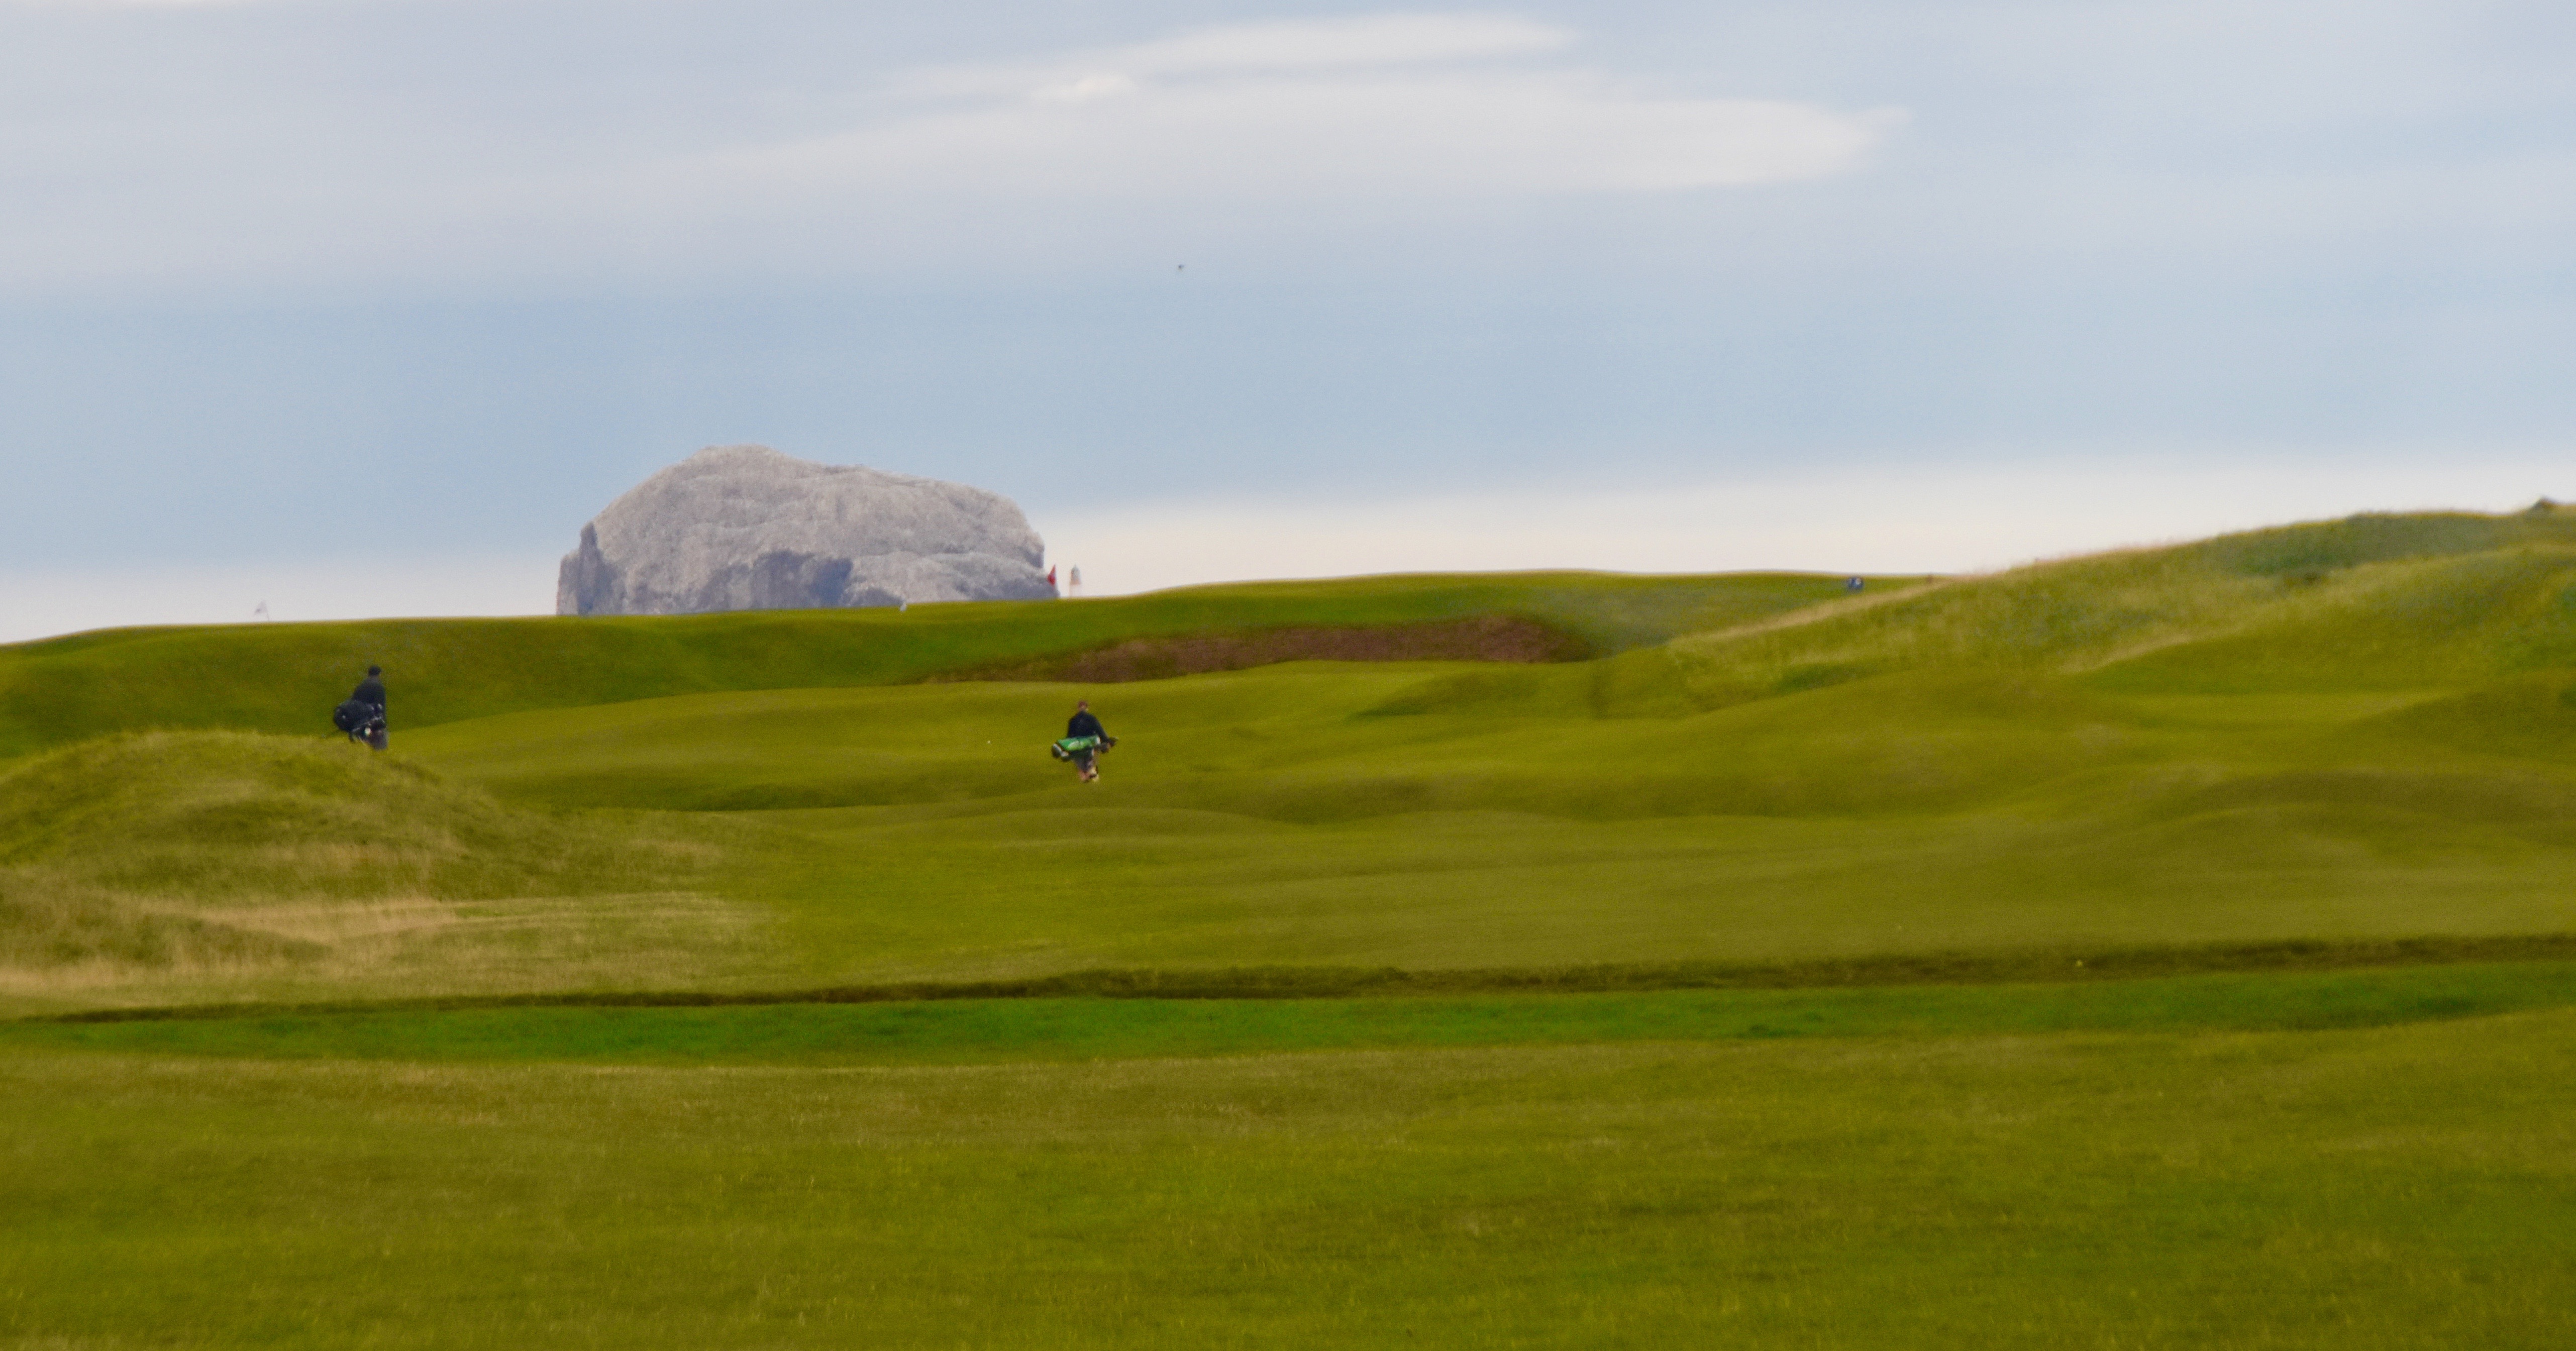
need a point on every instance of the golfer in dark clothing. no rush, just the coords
(371, 691)
(1082, 725)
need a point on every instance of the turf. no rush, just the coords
(2044, 759)
(284, 678)
(2370, 603)
(1718, 989)
(220, 815)
(1283, 816)
(972, 1031)
(225, 864)
(2402, 1186)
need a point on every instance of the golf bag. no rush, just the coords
(363, 721)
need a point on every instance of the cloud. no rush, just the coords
(1413, 135)
(126, 4)
(231, 172)
(1408, 106)
(1363, 41)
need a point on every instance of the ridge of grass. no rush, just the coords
(2329, 731)
(1290, 983)
(1485, 638)
(216, 863)
(286, 677)
(244, 816)
(983, 1030)
(2370, 601)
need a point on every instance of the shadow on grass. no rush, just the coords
(2052, 966)
(984, 1031)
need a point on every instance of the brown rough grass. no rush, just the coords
(121, 952)
(1501, 638)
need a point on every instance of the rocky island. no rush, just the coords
(748, 528)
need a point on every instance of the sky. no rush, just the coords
(352, 307)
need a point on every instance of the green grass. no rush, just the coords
(1977, 797)
(1283, 816)
(197, 865)
(979, 1031)
(285, 678)
(217, 815)
(2367, 603)
(1720, 990)
(2404, 1186)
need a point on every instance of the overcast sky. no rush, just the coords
(360, 306)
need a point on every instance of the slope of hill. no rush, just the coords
(284, 678)
(1269, 817)
(2328, 731)
(205, 860)
(2357, 730)
(2348, 745)
(2371, 602)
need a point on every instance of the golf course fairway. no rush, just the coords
(2167, 948)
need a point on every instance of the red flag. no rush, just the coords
(1050, 576)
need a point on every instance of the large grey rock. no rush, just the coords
(746, 528)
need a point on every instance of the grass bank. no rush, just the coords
(284, 678)
(984, 1030)
(237, 865)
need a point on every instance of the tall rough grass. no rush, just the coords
(165, 862)
(2372, 597)
(244, 817)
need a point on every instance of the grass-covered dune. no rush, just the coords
(2374, 602)
(188, 862)
(284, 678)
(2351, 731)
(2168, 948)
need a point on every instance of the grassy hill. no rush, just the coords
(2167, 948)
(2341, 731)
(2347, 731)
(240, 865)
(284, 678)
(2366, 603)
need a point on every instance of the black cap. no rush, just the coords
(375, 670)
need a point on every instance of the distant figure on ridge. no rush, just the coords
(1083, 742)
(362, 714)
(1853, 585)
